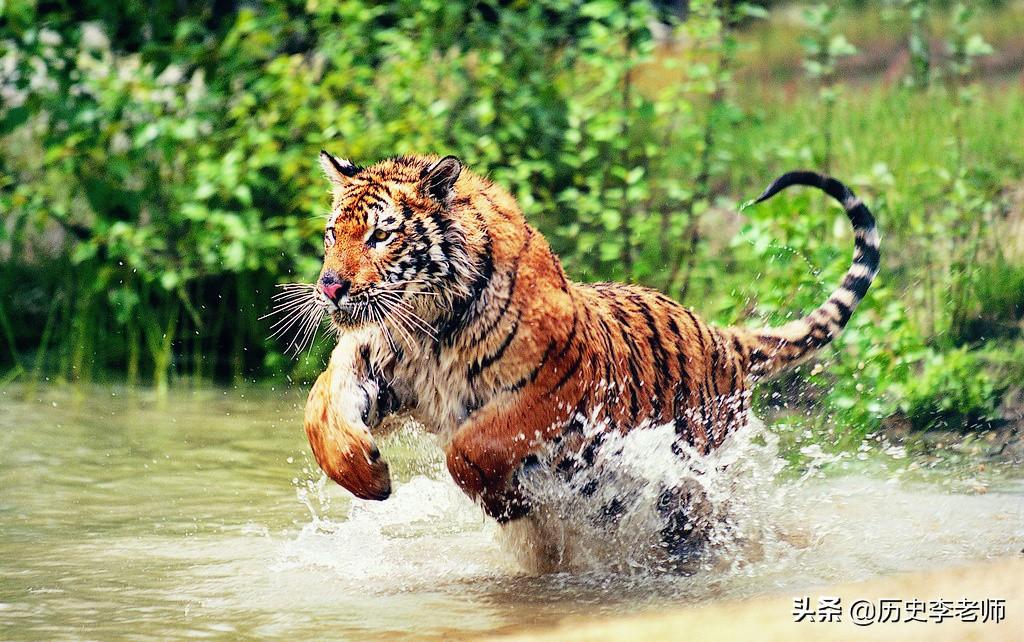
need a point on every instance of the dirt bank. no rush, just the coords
(771, 618)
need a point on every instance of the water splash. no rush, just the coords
(611, 516)
(647, 504)
(427, 531)
(750, 517)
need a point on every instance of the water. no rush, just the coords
(205, 517)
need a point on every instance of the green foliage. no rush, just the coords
(952, 392)
(158, 174)
(920, 52)
(823, 49)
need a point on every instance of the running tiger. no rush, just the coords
(452, 309)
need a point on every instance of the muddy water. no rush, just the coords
(203, 516)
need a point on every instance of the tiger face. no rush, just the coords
(389, 238)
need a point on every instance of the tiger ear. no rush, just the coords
(439, 180)
(337, 170)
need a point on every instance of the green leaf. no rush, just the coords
(749, 10)
(169, 280)
(13, 118)
(976, 46)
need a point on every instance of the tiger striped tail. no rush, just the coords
(775, 349)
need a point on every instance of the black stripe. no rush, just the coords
(443, 225)
(834, 188)
(716, 354)
(697, 326)
(816, 337)
(706, 395)
(589, 453)
(364, 354)
(738, 346)
(572, 333)
(622, 317)
(861, 217)
(462, 310)
(609, 353)
(513, 279)
(857, 284)
(476, 368)
(530, 378)
(420, 228)
(567, 375)
(869, 255)
(372, 198)
(681, 395)
(702, 386)
(710, 392)
(574, 425)
(844, 311)
(660, 359)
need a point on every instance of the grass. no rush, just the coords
(772, 51)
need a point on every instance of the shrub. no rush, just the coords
(952, 392)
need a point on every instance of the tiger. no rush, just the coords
(452, 310)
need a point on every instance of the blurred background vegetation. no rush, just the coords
(158, 174)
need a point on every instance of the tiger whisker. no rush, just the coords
(393, 287)
(292, 295)
(280, 300)
(312, 334)
(293, 288)
(409, 292)
(294, 306)
(392, 315)
(308, 330)
(414, 322)
(387, 333)
(295, 285)
(301, 324)
(406, 310)
(290, 305)
(302, 321)
(289, 319)
(282, 306)
(308, 286)
(403, 321)
(395, 297)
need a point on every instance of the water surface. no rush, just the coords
(204, 516)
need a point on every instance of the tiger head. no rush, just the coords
(391, 239)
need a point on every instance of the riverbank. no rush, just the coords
(771, 618)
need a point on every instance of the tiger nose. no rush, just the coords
(335, 289)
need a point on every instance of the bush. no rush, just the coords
(952, 392)
(158, 174)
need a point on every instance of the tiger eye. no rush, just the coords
(380, 235)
